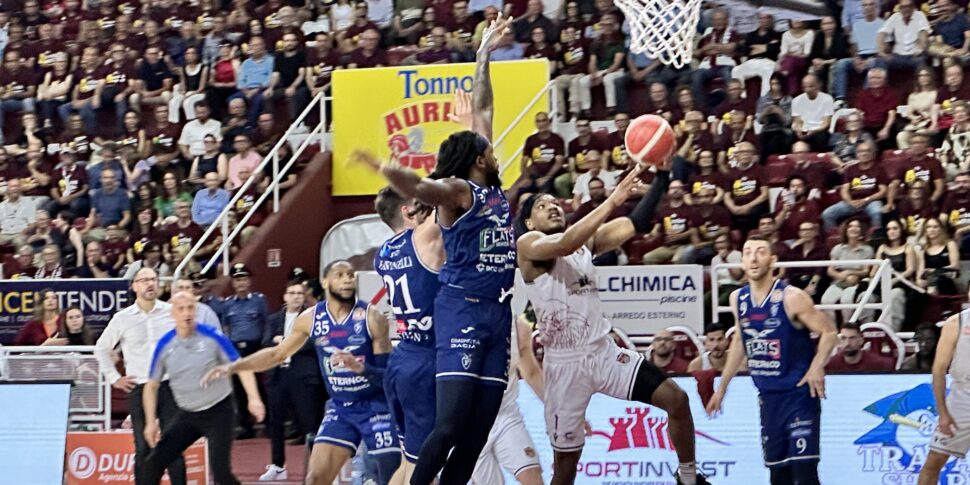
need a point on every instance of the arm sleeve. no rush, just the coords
(643, 214)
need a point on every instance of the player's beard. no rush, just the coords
(493, 179)
(340, 298)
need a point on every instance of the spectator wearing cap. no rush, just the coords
(70, 190)
(18, 86)
(151, 257)
(244, 319)
(203, 284)
(203, 313)
(854, 357)
(296, 383)
(192, 139)
(153, 81)
(255, 75)
(210, 201)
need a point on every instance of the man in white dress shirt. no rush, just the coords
(137, 329)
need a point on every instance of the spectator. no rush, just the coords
(193, 82)
(921, 115)
(255, 75)
(597, 195)
(245, 159)
(508, 49)
(663, 354)
(715, 351)
(908, 31)
(461, 27)
(118, 74)
(761, 47)
(581, 187)
(109, 163)
(915, 209)
(865, 32)
(577, 149)
(827, 48)
(17, 214)
(42, 231)
(342, 16)
(733, 101)
(163, 143)
(114, 246)
(533, 18)
(954, 90)
(717, 52)
(796, 47)
(44, 328)
(203, 313)
(151, 257)
(208, 162)
(807, 247)
(143, 232)
(675, 224)
(693, 138)
(853, 357)
(94, 265)
(573, 65)
(707, 177)
(902, 257)
(793, 208)
(927, 335)
(615, 148)
(731, 279)
(170, 192)
(734, 127)
(21, 266)
(50, 264)
(225, 75)
(542, 158)
(367, 53)
(746, 194)
(951, 33)
(812, 114)
(153, 84)
(213, 40)
(192, 139)
(74, 327)
(918, 163)
(436, 51)
(844, 144)
(955, 152)
(55, 89)
(713, 221)
(210, 201)
(845, 279)
(956, 211)
(109, 206)
(863, 191)
(70, 188)
(605, 64)
(132, 134)
(19, 86)
(182, 231)
(321, 62)
(266, 134)
(774, 107)
(938, 260)
(406, 24)
(289, 75)
(878, 102)
(347, 40)
(661, 105)
(244, 318)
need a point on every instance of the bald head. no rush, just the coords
(183, 312)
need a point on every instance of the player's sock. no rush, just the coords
(451, 421)
(687, 473)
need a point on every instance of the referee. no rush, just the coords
(186, 354)
(137, 329)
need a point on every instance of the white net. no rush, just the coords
(662, 29)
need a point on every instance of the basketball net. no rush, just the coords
(662, 29)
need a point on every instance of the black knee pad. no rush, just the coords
(804, 473)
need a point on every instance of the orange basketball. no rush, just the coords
(650, 140)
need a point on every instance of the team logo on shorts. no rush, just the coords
(529, 452)
(623, 359)
(466, 361)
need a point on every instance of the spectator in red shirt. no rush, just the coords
(956, 211)
(878, 104)
(573, 65)
(863, 191)
(852, 357)
(70, 190)
(597, 195)
(542, 159)
(18, 86)
(918, 164)
(693, 136)
(707, 177)
(615, 142)
(712, 220)
(321, 62)
(746, 194)
(676, 226)
(916, 208)
(663, 354)
(793, 207)
(44, 328)
(368, 54)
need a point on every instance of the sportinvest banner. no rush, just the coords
(99, 299)
(401, 114)
(876, 429)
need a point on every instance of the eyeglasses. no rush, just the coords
(146, 280)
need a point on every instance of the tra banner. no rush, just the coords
(96, 458)
(875, 430)
(99, 299)
(401, 114)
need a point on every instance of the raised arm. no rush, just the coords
(801, 307)
(449, 192)
(536, 246)
(482, 98)
(618, 231)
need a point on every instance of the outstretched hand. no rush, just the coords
(461, 109)
(366, 159)
(494, 33)
(627, 187)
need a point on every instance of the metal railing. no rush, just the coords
(222, 221)
(514, 158)
(883, 277)
(90, 395)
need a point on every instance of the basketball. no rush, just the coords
(650, 140)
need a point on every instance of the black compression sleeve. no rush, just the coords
(642, 215)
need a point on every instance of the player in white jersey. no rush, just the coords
(509, 444)
(580, 358)
(952, 436)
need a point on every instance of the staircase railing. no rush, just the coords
(273, 189)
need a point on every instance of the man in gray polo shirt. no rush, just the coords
(186, 354)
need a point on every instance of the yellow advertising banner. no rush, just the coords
(401, 114)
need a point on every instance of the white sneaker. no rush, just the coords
(273, 472)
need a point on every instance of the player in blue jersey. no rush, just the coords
(773, 326)
(352, 343)
(408, 263)
(473, 315)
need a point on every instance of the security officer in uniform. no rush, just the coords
(202, 286)
(244, 317)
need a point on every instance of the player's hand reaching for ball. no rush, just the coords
(627, 187)
(494, 33)
(216, 373)
(714, 405)
(815, 378)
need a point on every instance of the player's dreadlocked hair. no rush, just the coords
(458, 153)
